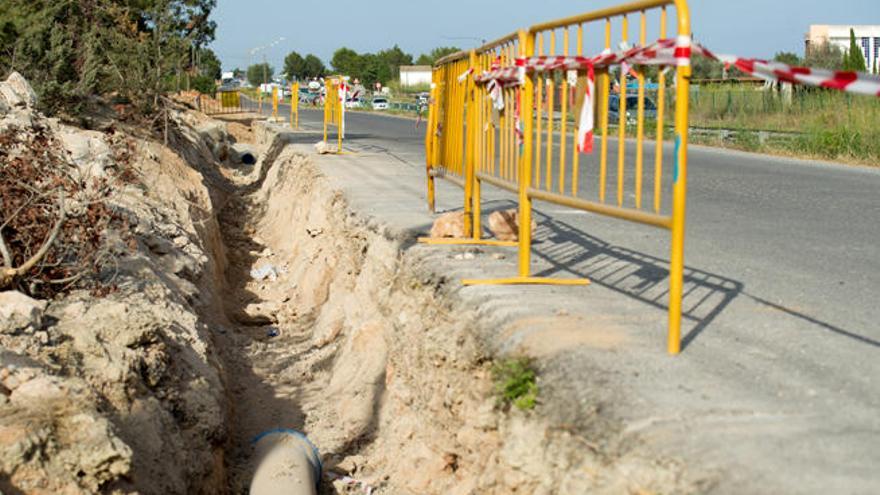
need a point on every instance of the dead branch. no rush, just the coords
(10, 274)
(7, 259)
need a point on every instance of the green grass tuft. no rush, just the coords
(515, 382)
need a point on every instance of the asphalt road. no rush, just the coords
(782, 302)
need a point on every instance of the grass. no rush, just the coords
(515, 383)
(824, 124)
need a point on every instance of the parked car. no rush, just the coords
(354, 103)
(380, 103)
(632, 109)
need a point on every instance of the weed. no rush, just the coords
(515, 382)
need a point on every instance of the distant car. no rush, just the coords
(354, 103)
(310, 98)
(632, 109)
(423, 98)
(380, 104)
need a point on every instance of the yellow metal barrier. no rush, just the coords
(275, 102)
(294, 106)
(529, 148)
(225, 102)
(334, 108)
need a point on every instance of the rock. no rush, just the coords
(504, 225)
(88, 149)
(449, 225)
(17, 92)
(323, 148)
(19, 312)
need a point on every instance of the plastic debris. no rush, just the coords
(265, 272)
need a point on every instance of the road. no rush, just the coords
(782, 342)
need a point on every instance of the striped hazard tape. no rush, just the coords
(668, 52)
(678, 52)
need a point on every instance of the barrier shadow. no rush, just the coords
(634, 274)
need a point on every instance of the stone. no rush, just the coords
(323, 148)
(448, 225)
(17, 92)
(504, 225)
(88, 150)
(20, 313)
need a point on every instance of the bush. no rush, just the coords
(205, 85)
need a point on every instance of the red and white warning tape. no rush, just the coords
(668, 52)
(677, 52)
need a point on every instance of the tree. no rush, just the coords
(394, 57)
(373, 69)
(260, 73)
(788, 58)
(436, 54)
(131, 49)
(347, 61)
(854, 60)
(294, 66)
(209, 64)
(313, 67)
(824, 56)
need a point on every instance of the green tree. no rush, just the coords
(260, 73)
(373, 69)
(294, 66)
(788, 58)
(313, 67)
(854, 60)
(394, 57)
(209, 64)
(436, 54)
(71, 50)
(347, 61)
(824, 56)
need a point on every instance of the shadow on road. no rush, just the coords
(634, 274)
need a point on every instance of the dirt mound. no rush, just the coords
(117, 391)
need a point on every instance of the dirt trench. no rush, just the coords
(346, 343)
(330, 327)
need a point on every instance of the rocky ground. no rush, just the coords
(253, 298)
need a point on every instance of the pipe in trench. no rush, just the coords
(288, 464)
(244, 154)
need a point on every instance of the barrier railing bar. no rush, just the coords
(563, 135)
(621, 113)
(606, 90)
(640, 119)
(539, 39)
(661, 104)
(499, 183)
(622, 213)
(600, 14)
(575, 169)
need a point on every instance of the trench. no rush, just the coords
(327, 330)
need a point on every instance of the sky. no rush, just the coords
(749, 28)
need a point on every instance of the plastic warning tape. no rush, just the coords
(678, 52)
